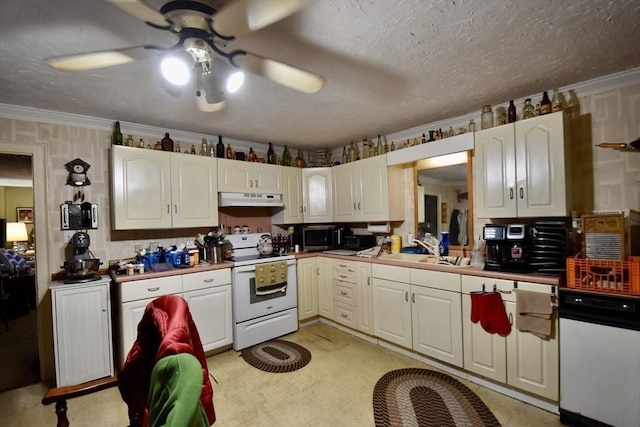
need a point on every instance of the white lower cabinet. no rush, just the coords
(307, 272)
(208, 294)
(520, 359)
(325, 287)
(352, 295)
(437, 315)
(82, 331)
(391, 306)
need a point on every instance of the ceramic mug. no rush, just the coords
(246, 229)
(237, 229)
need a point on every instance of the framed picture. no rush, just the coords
(24, 214)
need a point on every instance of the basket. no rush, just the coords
(618, 277)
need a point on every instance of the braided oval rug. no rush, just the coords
(420, 397)
(277, 356)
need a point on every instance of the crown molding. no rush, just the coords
(582, 89)
(16, 112)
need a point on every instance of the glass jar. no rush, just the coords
(528, 111)
(487, 117)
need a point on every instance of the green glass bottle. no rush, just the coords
(286, 157)
(117, 135)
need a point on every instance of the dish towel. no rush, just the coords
(534, 311)
(488, 309)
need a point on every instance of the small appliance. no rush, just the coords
(323, 237)
(358, 242)
(508, 247)
(82, 266)
(78, 216)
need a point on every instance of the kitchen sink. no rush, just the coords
(447, 261)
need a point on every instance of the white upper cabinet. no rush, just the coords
(522, 169)
(366, 190)
(317, 200)
(248, 177)
(291, 197)
(156, 189)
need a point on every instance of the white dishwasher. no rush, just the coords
(599, 359)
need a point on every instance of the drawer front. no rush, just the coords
(345, 315)
(150, 288)
(344, 276)
(343, 266)
(389, 272)
(206, 279)
(436, 279)
(344, 292)
(477, 284)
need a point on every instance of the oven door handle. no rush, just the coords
(272, 291)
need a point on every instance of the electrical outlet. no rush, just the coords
(137, 248)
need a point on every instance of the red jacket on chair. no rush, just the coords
(166, 328)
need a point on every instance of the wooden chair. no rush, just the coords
(60, 395)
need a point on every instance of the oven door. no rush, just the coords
(252, 300)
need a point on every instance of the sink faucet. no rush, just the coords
(429, 246)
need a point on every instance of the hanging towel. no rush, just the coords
(488, 309)
(534, 312)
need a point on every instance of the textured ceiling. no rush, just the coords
(389, 65)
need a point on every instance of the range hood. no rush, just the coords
(249, 199)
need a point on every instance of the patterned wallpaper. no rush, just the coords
(603, 178)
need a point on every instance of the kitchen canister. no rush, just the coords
(396, 243)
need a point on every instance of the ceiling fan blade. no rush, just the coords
(243, 16)
(279, 72)
(141, 11)
(100, 59)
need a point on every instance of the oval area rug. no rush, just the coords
(277, 356)
(421, 397)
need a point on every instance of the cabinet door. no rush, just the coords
(141, 188)
(194, 190)
(373, 203)
(345, 206)
(437, 324)
(540, 166)
(532, 362)
(365, 297)
(267, 178)
(494, 193)
(292, 195)
(307, 288)
(317, 198)
(130, 315)
(211, 312)
(484, 353)
(392, 311)
(82, 334)
(234, 176)
(325, 287)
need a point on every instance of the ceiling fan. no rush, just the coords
(201, 30)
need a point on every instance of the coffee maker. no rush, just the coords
(508, 247)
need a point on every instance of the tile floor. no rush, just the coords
(334, 389)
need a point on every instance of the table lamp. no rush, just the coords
(16, 232)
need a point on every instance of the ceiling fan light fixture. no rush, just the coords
(233, 78)
(176, 70)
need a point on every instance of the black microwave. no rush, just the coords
(322, 237)
(360, 242)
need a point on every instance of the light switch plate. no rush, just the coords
(68, 234)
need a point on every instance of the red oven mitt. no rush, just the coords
(493, 317)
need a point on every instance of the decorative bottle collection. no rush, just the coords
(545, 106)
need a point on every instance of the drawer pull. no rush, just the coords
(208, 280)
(343, 293)
(342, 276)
(154, 289)
(344, 315)
(343, 265)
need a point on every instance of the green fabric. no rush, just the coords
(174, 396)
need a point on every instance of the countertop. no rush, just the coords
(469, 271)
(121, 278)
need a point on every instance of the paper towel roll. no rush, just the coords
(378, 228)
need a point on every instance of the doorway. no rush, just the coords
(19, 345)
(430, 224)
